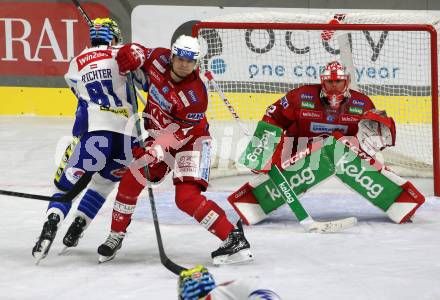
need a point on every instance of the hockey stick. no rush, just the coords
(169, 264)
(68, 197)
(83, 13)
(301, 214)
(231, 109)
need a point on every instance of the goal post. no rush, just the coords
(256, 61)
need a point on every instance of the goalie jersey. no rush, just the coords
(103, 101)
(302, 113)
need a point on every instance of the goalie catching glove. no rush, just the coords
(376, 131)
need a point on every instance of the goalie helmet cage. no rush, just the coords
(256, 62)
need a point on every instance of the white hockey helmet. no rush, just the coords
(335, 71)
(186, 47)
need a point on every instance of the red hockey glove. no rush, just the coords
(151, 154)
(130, 57)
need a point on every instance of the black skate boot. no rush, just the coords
(235, 249)
(46, 238)
(75, 232)
(107, 251)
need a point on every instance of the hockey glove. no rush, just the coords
(376, 131)
(130, 57)
(151, 154)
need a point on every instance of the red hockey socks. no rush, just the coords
(206, 212)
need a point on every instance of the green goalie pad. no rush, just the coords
(332, 157)
(362, 174)
(261, 147)
(310, 168)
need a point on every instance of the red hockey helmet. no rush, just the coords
(335, 81)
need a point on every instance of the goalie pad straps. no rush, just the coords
(259, 151)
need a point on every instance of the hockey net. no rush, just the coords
(256, 58)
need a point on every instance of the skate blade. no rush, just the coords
(64, 251)
(45, 244)
(242, 257)
(103, 259)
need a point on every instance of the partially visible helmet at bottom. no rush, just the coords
(103, 31)
(195, 283)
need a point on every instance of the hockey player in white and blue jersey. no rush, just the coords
(101, 143)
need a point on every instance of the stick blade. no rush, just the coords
(331, 226)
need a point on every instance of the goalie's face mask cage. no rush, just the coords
(187, 48)
(335, 81)
(103, 31)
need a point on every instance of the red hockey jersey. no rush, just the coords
(183, 103)
(301, 113)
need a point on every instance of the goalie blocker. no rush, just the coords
(338, 156)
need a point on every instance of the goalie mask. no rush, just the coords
(187, 47)
(335, 81)
(103, 31)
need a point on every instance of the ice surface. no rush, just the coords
(377, 259)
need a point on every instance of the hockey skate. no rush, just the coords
(235, 249)
(74, 233)
(107, 251)
(50, 227)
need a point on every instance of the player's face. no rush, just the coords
(334, 85)
(183, 66)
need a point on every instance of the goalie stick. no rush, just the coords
(168, 263)
(68, 197)
(301, 214)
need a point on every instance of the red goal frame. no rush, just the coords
(371, 27)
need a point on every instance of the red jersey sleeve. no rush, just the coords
(282, 112)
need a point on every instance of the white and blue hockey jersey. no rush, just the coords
(103, 101)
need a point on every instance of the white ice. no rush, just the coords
(377, 259)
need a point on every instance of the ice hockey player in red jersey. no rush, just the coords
(337, 116)
(178, 140)
(199, 284)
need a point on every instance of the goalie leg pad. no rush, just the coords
(206, 212)
(406, 204)
(246, 205)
